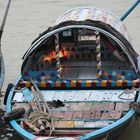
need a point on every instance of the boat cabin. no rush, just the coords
(86, 70)
(81, 55)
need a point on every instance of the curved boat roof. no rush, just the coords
(94, 14)
(90, 18)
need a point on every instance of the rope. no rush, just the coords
(39, 94)
(39, 113)
(40, 122)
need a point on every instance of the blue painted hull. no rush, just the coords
(109, 132)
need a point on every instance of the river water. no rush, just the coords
(28, 18)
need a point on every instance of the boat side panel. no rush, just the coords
(13, 123)
(111, 127)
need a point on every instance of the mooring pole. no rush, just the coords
(2, 69)
(130, 10)
(4, 19)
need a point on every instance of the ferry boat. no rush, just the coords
(79, 80)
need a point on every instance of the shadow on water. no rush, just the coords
(6, 132)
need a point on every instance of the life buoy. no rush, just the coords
(9, 87)
(14, 114)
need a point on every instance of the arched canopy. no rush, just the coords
(92, 19)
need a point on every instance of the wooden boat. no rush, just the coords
(79, 80)
(2, 70)
(2, 66)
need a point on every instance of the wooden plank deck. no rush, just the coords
(18, 97)
(104, 115)
(81, 124)
(87, 114)
(91, 111)
(68, 96)
(85, 109)
(82, 95)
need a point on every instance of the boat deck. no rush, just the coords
(88, 114)
(77, 112)
(83, 95)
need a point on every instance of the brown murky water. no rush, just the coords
(28, 18)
